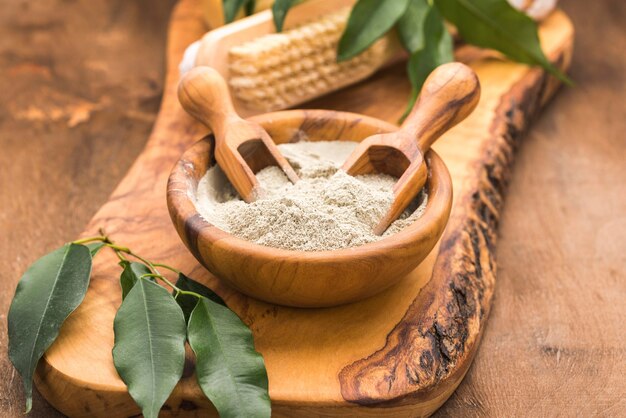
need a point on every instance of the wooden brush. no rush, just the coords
(268, 71)
(242, 148)
(448, 96)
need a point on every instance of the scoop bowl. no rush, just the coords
(303, 278)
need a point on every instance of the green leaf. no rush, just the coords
(149, 351)
(131, 274)
(279, 12)
(46, 295)
(438, 49)
(232, 7)
(411, 25)
(229, 370)
(249, 7)
(368, 21)
(94, 247)
(497, 25)
(188, 302)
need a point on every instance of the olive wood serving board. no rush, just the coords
(400, 353)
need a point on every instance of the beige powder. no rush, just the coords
(326, 210)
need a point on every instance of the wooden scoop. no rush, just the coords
(242, 148)
(448, 96)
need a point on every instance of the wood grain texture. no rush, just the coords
(549, 348)
(404, 351)
(439, 336)
(555, 344)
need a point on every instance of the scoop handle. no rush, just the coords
(449, 95)
(203, 93)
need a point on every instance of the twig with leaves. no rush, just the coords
(151, 328)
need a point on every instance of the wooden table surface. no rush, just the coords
(80, 85)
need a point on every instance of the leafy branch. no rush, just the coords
(151, 327)
(493, 24)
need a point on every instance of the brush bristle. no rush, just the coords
(279, 70)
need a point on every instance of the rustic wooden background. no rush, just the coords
(80, 85)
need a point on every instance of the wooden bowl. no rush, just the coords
(303, 278)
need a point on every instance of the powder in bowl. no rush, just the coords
(326, 210)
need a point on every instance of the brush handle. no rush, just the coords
(203, 93)
(449, 95)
